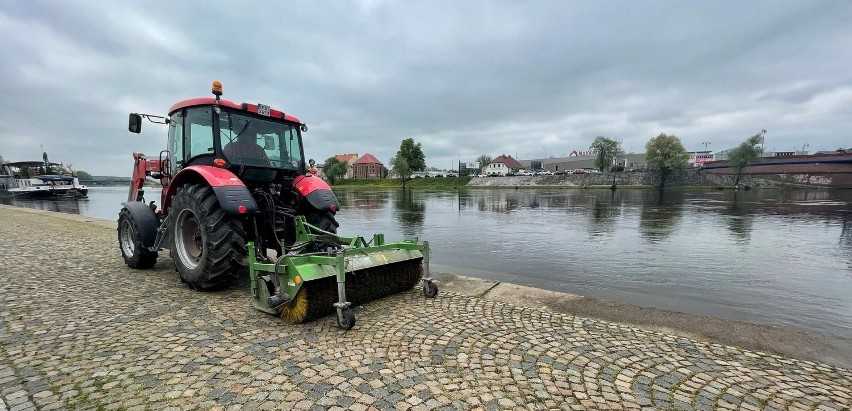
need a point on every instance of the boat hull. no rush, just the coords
(42, 192)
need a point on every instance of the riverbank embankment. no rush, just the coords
(78, 329)
(687, 179)
(680, 179)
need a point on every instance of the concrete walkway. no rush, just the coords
(79, 330)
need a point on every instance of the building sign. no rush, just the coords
(473, 165)
(576, 153)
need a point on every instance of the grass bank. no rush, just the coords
(432, 182)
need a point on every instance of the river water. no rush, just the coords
(766, 256)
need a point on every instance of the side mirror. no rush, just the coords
(135, 123)
(311, 162)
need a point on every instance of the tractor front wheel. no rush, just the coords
(208, 246)
(135, 254)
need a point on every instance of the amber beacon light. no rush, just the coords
(217, 88)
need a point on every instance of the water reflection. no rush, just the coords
(660, 215)
(362, 199)
(62, 205)
(604, 213)
(846, 241)
(410, 211)
(501, 201)
(739, 221)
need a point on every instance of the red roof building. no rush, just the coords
(346, 158)
(508, 161)
(502, 165)
(368, 167)
(349, 159)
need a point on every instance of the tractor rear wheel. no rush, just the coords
(324, 220)
(208, 247)
(135, 254)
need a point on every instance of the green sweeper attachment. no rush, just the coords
(323, 272)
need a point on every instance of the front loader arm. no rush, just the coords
(142, 168)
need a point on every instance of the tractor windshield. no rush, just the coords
(254, 141)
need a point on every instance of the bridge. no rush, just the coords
(828, 170)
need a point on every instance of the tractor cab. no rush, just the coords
(255, 142)
(256, 147)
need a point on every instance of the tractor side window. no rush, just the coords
(176, 141)
(199, 124)
(290, 143)
(271, 145)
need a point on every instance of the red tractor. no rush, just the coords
(236, 191)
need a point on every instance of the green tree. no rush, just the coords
(400, 167)
(606, 150)
(334, 169)
(83, 176)
(483, 160)
(408, 160)
(665, 153)
(746, 153)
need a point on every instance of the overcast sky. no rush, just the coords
(461, 78)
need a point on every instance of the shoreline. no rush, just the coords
(804, 345)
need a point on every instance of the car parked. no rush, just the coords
(561, 173)
(580, 171)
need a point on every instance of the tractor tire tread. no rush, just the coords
(142, 258)
(225, 247)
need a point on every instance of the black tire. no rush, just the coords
(134, 253)
(430, 290)
(324, 220)
(348, 320)
(208, 246)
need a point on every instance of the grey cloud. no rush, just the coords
(461, 78)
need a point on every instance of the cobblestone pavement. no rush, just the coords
(79, 330)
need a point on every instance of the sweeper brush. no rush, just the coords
(318, 277)
(316, 298)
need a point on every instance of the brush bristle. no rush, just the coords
(295, 311)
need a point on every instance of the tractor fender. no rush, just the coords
(233, 195)
(146, 221)
(317, 192)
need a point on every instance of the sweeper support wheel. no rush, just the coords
(346, 319)
(430, 290)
